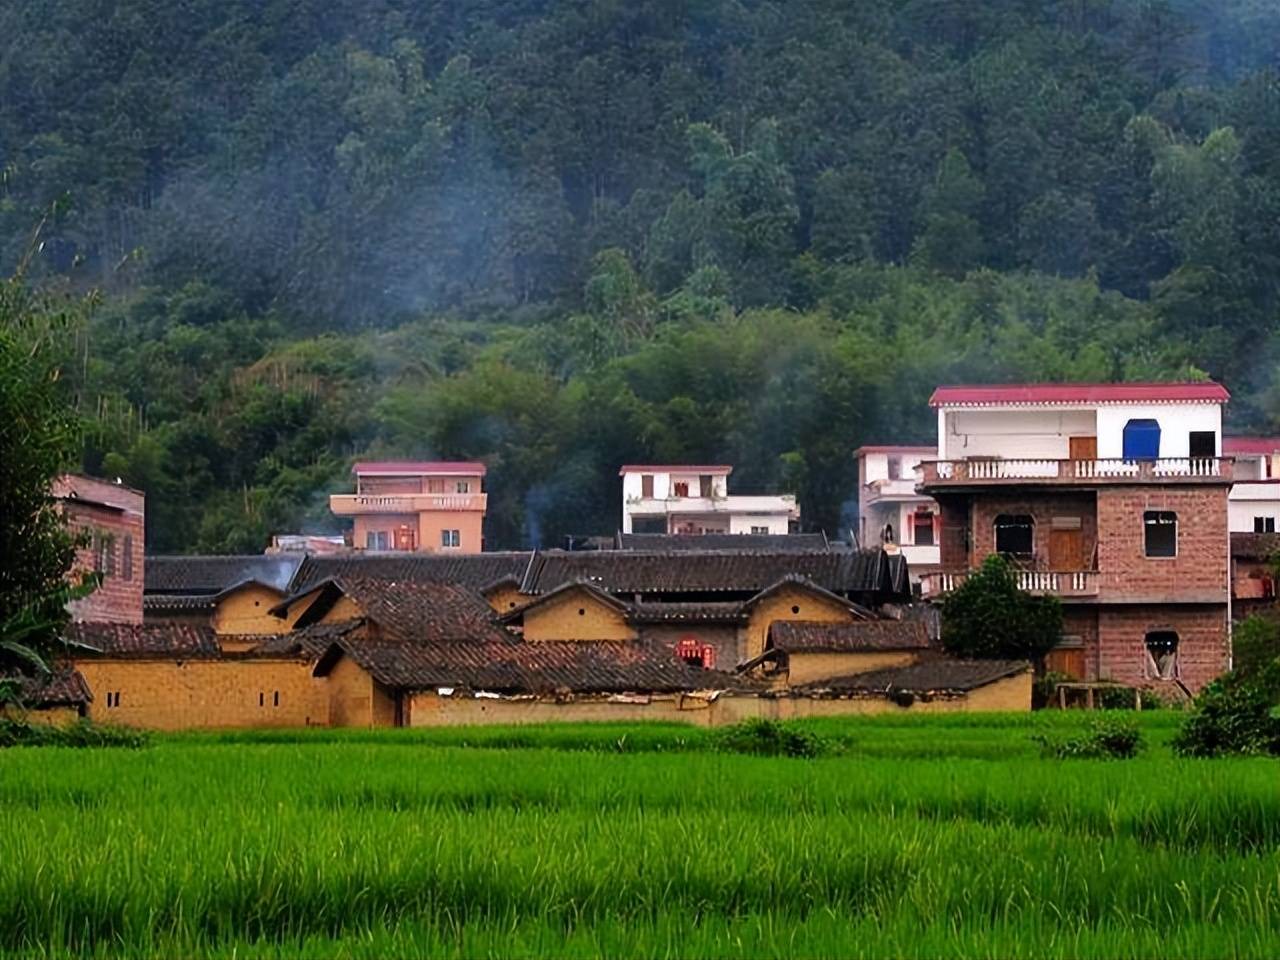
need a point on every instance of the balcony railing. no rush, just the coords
(1115, 470)
(349, 504)
(1058, 583)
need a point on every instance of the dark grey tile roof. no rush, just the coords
(515, 666)
(178, 602)
(213, 574)
(729, 611)
(798, 636)
(1255, 546)
(62, 687)
(864, 573)
(773, 543)
(145, 641)
(475, 570)
(934, 675)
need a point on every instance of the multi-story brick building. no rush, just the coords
(415, 506)
(1112, 497)
(112, 516)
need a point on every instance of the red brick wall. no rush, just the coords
(953, 520)
(1197, 573)
(114, 514)
(1202, 642)
(1042, 508)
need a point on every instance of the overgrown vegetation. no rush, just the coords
(718, 231)
(988, 616)
(1106, 737)
(936, 836)
(770, 738)
(16, 732)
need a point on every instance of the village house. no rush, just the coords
(404, 505)
(111, 517)
(676, 499)
(892, 513)
(1112, 497)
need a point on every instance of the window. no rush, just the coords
(895, 468)
(696, 654)
(681, 489)
(1015, 534)
(104, 561)
(463, 486)
(1264, 524)
(262, 699)
(113, 699)
(1203, 444)
(795, 609)
(646, 485)
(708, 656)
(759, 530)
(126, 558)
(1141, 440)
(1161, 655)
(275, 699)
(923, 524)
(704, 485)
(886, 535)
(450, 538)
(376, 540)
(1161, 533)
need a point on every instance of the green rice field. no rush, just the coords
(924, 837)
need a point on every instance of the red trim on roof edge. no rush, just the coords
(1204, 391)
(1232, 445)
(416, 467)
(674, 468)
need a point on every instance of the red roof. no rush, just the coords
(414, 468)
(1234, 445)
(1204, 391)
(674, 468)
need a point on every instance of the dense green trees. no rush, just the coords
(559, 236)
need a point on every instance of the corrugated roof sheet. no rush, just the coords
(1205, 391)
(213, 574)
(798, 636)
(513, 666)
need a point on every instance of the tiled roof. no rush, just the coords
(213, 574)
(474, 570)
(63, 687)
(710, 612)
(758, 542)
(1204, 391)
(712, 571)
(146, 641)
(937, 675)
(796, 580)
(173, 602)
(513, 666)
(309, 642)
(1255, 546)
(864, 635)
(416, 612)
(602, 596)
(419, 467)
(1246, 445)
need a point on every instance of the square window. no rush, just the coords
(1203, 444)
(681, 489)
(1161, 655)
(1161, 533)
(760, 530)
(1264, 524)
(463, 486)
(450, 538)
(1015, 535)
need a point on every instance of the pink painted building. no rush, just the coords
(411, 505)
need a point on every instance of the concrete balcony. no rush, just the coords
(946, 474)
(1066, 584)
(707, 506)
(353, 504)
(893, 491)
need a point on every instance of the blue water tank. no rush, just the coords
(1141, 440)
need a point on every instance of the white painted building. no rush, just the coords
(1254, 503)
(890, 511)
(694, 499)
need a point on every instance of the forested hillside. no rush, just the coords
(562, 236)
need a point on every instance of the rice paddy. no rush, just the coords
(925, 837)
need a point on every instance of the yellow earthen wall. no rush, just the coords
(245, 611)
(344, 609)
(356, 700)
(807, 667)
(173, 695)
(779, 606)
(506, 598)
(559, 619)
(52, 716)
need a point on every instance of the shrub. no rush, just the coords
(1255, 652)
(987, 616)
(1107, 737)
(82, 733)
(1231, 715)
(769, 738)
(1045, 688)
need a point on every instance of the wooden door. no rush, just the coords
(1084, 448)
(1068, 660)
(1066, 549)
